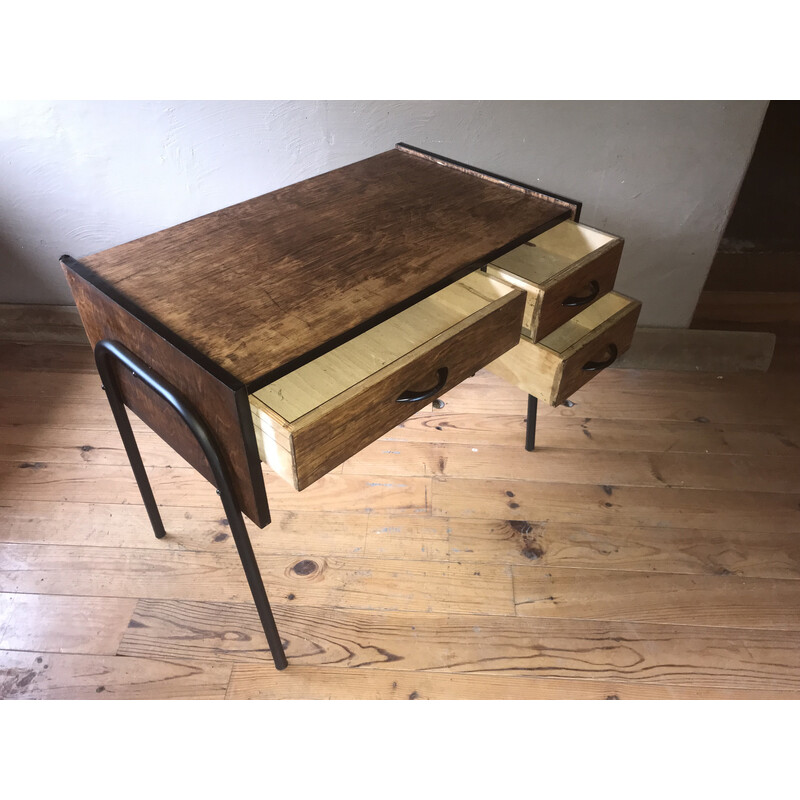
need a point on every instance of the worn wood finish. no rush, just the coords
(602, 504)
(573, 206)
(380, 547)
(57, 623)
(555, 266)
(688, 656)
(354, 416)
(184, 488)
(259, 682)
(554, 368)
(33, 323)
(199, 529)
(306, 579)
(546, 543)
(588, 433)
(711, 600)
(57, 676)
(321, 260)
(556, 465)
(221, 404)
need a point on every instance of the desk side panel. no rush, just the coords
(217, 403)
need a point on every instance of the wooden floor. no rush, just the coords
(649, 548)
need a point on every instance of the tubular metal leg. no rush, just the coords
(530, 427)
(104, 352)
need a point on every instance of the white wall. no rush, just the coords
(78, 177)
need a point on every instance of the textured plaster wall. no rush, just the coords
(78, 177)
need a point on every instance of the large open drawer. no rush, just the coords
(311, 420)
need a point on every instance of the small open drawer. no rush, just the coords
(563, 271)
(311, 420)
(555, 367)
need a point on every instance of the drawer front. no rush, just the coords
(305, 449)
(563, 271)
(557, 366)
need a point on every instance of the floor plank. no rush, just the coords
(308, 579)
(53, 356)
(56, 623)
(738, 398)
(40, 323)
(553, 465)
(551, 543)
(726, 601)
(660, 513)
(184, 487)
(587, 433)
(56, 445)
(263, 682)
(188, 528)
(56, 676)
(626, 652)
(611, 505)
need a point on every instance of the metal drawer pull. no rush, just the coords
(594, 290)
(413, 395)
(596, 366)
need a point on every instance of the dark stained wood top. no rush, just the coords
(261, 287)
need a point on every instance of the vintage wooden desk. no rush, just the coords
(298, 327)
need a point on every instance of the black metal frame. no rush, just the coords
(106, 352)
(530, 423)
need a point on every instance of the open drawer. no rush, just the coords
(555, 367)
(311, 420)
(563, 271)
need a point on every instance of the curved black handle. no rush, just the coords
(413, 395)
(594, 290)
(596, 366)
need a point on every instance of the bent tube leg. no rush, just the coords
(129, 442)
(104, 352)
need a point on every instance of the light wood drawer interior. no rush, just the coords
(563, 271)
(559, 364)
(311, 420)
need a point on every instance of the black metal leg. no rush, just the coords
(530, 427)
(104, 352)
(132, 449)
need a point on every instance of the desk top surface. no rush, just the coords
(267, 284)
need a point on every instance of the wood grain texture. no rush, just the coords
(34, 323)
(554, 368)
(260, 682)
(547, 543)
(55, 357)
(590, 433)
(351, 238)
(57, 676)
(42, 442)
(222, 405)
(573, 206)
(186, 489)
(717, 600)
(632, 653)
(356, 417)
(668, 470)
(307, 579)
(62, 624)
(738, 545)
(615, 505)
(197, 528)
(550, 275)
